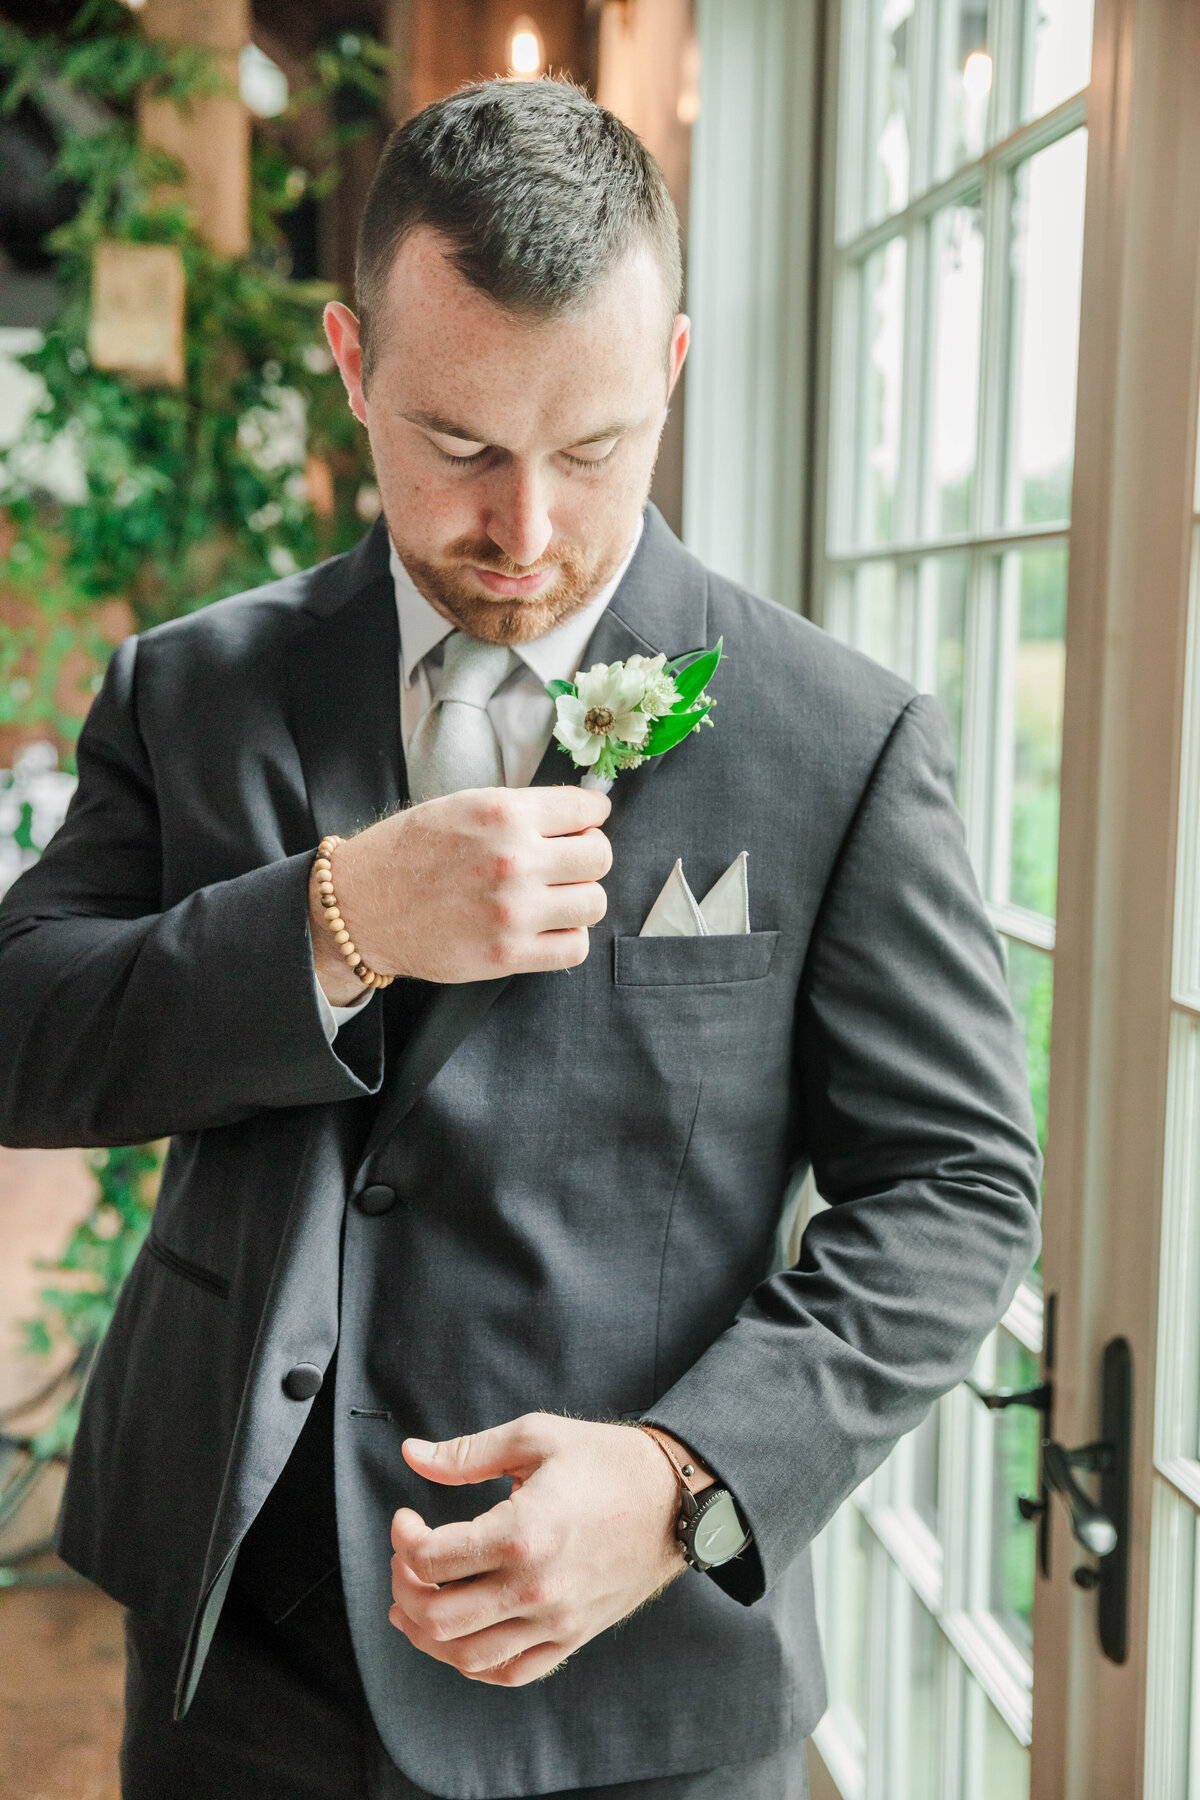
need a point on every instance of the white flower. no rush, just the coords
(604, 710)
(661, 692)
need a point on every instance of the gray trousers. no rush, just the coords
(280, 1715)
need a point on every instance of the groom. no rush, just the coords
(448, 1215)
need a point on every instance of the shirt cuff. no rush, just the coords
(334, 1017)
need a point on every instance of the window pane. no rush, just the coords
(920, 1710)
(926, 1453)
(848, 1596)
(1187, 889)
(1057, 53)
(890, 133)
(997, 1764)
(945, 580)
(881, 377)
(879, 621)
(1179, 1323)
(1036, 583)
(1031, 984)
(1016, 1433)
(964, 82)
(954, 402)
(1047, 261)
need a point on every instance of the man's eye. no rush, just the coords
(456, 449)
(474, 456)
(592, 462)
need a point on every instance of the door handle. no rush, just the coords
(1101, 1527)
(1090, 1523)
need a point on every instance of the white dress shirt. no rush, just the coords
(521, 710)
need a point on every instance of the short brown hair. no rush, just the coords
(539, 191)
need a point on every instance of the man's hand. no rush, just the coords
(587, 1535)
(483, 883)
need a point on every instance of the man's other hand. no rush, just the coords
(479, 884)
(586, 1536)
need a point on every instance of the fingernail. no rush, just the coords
(422, 1446)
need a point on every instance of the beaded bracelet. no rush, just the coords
(323, 867)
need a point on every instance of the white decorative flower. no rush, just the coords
(619, 714)
(604, 710)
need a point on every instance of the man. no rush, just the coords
(424, 1258)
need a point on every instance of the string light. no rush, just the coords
(525, 47)
(977, 75)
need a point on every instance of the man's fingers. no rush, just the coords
(515, 1448)
(553, 950)
(576, 903)
(586, 856)
(557, 810)
(506, 1655)
(454, 1552)
(456, 1610)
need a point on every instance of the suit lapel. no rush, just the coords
(665, 591)
(343, 682)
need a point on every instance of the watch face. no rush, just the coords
(719, 1532)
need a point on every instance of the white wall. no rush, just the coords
(751, 286)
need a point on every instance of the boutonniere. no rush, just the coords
(619, 714)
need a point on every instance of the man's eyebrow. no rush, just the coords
(448, 428)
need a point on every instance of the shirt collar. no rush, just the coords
(556, 656)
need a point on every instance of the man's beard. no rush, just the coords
(451, 588)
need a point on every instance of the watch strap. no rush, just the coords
(692, 1476)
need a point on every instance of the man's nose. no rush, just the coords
(518, 521)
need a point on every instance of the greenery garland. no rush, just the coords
(186, 496)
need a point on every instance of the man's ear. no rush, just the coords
(341, 329)
(681, 337)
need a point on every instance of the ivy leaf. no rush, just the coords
(556, 689)
(693, 680)
(667, 732)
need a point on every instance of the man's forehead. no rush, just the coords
(452, 346)
(490, 378)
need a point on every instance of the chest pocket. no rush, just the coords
(692, 961)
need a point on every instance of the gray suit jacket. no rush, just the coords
(592, 1166)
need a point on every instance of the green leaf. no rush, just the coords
(695, 678)
(556, 689)
(666, 733)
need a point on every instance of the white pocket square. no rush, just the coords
(723, 912)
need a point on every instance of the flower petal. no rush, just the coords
(630, 728)
(571, 731)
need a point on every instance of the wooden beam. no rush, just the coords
(211, 138)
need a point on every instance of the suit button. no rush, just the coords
(302, 1382)
(375, 1200)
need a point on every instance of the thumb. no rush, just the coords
(509, 1449)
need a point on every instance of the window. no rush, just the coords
(1173, 1745)
(953, 277)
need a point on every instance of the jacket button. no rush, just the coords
(375, 1200)
(302, 1382)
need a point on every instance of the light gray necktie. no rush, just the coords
(455, 745)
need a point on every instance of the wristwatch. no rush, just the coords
(710, 1529)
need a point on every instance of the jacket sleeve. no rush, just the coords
(914, 1110)
(121, 1022)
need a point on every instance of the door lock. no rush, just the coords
(1101, 1527)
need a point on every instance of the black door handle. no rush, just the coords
(1091, 1525)
(1101, 1527)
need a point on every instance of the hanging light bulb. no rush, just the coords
(525, 48)
(977, 75)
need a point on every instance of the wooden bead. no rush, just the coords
(342, 936)
(335, 921)
(348, 951)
